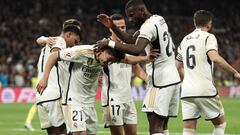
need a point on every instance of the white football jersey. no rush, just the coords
(116, 83)
(56, 76)
(162, 71)
(198, 69)
(84, 71)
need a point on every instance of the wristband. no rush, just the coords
(111, 44)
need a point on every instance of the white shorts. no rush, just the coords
(118, 114)
(81, 119)
(163, 102)
(50, 114)
(193, 107)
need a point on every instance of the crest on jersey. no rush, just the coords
(89, 61)
(68, 54)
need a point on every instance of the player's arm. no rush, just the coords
(137, 59)
(148, 33)
(124, 36)
(218, 60)
(179, 65)
(52, 60)
(138, 71)
(212, 52)
(133, 49)
(179, 62)
(42, 41)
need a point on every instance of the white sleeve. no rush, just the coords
(148, 31)
(76, 54)
(60, 43)
(179, 54)
(211, 43)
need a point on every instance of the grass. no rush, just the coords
(13, 116)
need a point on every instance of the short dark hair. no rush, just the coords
(72, 25)
(71, 22)
(72, 28)
(131, 3)
(117, 54)
(202, 17)
(116, 16)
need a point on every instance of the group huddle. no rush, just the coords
(68, 76)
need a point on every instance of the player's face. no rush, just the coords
(120, 24)
(135, 16)
(72, 39)
(105, 58)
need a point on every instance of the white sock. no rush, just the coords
(157, 134)
(188, 131)
(219, 129)
(166, 132)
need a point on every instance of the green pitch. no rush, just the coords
(12, 117)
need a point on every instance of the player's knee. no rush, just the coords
(222, 126)
(190, 124)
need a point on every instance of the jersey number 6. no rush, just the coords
(191, 60)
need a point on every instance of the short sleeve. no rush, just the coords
(211, 43)
(60, 43)
(148, 31)
(179, 54)
(76, 54)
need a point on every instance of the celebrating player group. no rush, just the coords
(68, 74)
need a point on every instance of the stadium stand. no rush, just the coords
(23, 21)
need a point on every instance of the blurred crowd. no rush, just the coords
(23, 21)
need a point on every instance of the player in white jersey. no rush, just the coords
(120, 113)
(196, 55)
(49, 103)
(161, 100)
(80, 97)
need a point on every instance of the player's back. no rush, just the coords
(198, 80)
(117, 83)
(162, 71)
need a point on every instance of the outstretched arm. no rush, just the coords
(52, 60)
(137, 59)
(124, 36)
(217, 59)
(133, 49)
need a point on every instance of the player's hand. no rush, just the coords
(41, 86)
(105, 20)
(51, 41)
(237, 76)
(154, 53)
(101, 45)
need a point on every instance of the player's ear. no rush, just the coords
(68, 34)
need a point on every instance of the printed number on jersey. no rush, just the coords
(190, 57)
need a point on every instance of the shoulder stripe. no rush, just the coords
(206, 40)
